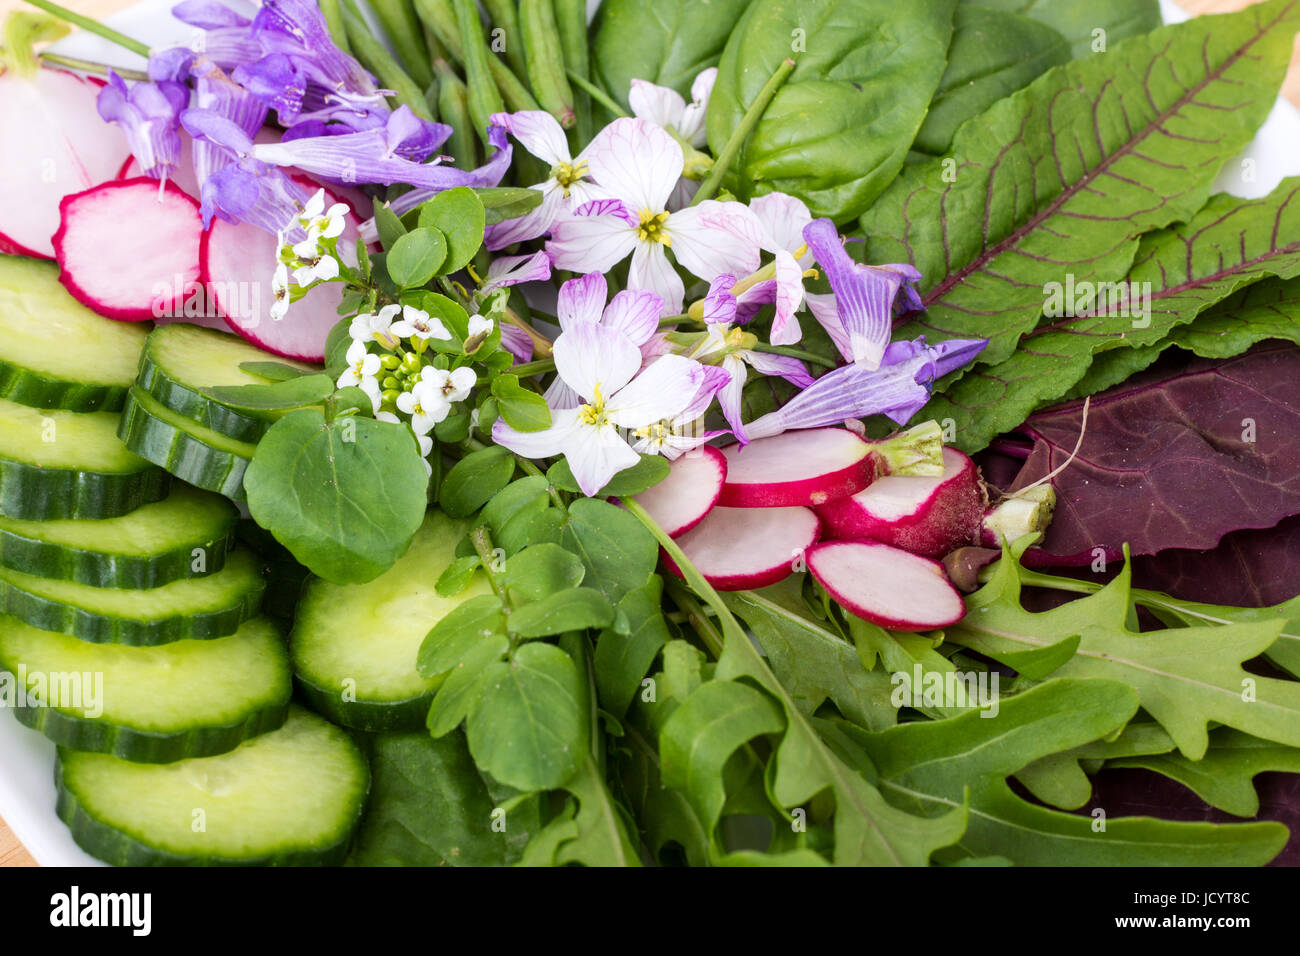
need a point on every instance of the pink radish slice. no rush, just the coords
(53, 144)
(805, 467)
(740, 548)
(238, 262)
(895, 589)
(927, 516)
(680, 501)
(130, 250)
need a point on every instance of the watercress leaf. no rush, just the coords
(541, 570)
(620, 554)
(837, 132)
(337, 343)
(927, 765)
(526, 728)
(459, 693)
(531, 526)
(427, 806)
(621, 661)
(574, 609)
(522, 408)
(475, 479)
(457, 576)
(992, 55)
(452, 638)
(415, 257)
(275, 371)
(646, 473)
(1178, 273)
(1123, 142)
(702, 734)
(506, 503)
(458, 214)
(1090, 26)
(345, 497)
(288, 393)
(353, 401)
(666, 43)
(453, 429)
(1185, 677)
(507, 202)
(389, 227)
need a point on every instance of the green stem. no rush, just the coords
(533, 368)
(91, 26)
(741, 133)
(796, 353)
(481, 538)
(89, 66)
(669, 321)
(696, 617)
(596, 93)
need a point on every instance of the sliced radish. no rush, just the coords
(893, 588)
(680, 501)
(53, 144)
(927, 516)
(740, 548)
(797, 468)
(238, 262)
(129, 249)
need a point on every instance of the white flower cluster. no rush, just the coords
(312, 258)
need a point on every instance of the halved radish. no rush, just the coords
(130, 249)
(237, 264)
(893, 588)
(805, 467)
(53, 144)
(680, 501)
(740, 548)
(1024, 512)
(927, 516)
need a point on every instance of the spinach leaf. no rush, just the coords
(837, 132)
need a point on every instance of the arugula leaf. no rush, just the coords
(344, 496)
(1185, 677)
(1181, 272)
(993, 54)
(1122, 144)
(428, 806)
(664, 814)
(1224, 777)
(838, 130)
(1084, 22)
(623, 660)
(1060, 780)
(929, 765)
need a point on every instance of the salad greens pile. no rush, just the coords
(1026, 186)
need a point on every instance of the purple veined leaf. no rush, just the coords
(1111, 147)
(1176, 457)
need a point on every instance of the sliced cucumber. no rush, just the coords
(180, 361)
(185, 535)
(190, 451)
(59, 464)
(150, 704)
(293, 796)
(354, 646)
(55, 352)
(192, 609)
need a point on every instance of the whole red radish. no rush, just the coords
(927, 516)
(887, 586)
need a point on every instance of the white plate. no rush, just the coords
(27, 758)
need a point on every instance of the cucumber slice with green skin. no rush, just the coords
(188, 450)
(55, 352)
(193, 609)
(185, 535)
(293, 796)
(58, 464)
(354, 646)
(179, 361)
(149, 704)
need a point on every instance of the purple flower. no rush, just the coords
(898, 388)
(214, 91)
(148, 113)
(864, 296)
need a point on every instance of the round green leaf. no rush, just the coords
(475, 479)
(458, 214)
(416, 257)
(574, 609)
(540, 570)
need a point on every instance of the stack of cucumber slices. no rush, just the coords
(132, 634)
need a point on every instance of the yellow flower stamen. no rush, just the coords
(566, 174)
(652, 228)
(593, 414)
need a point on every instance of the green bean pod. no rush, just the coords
(375, 57)
(333, 15)
(484, 97)
(571, 18)
(439, 19)
(453, 106)
(545, 58)
(505, 16)
(398, 19)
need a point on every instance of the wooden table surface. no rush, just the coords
(11, 851)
